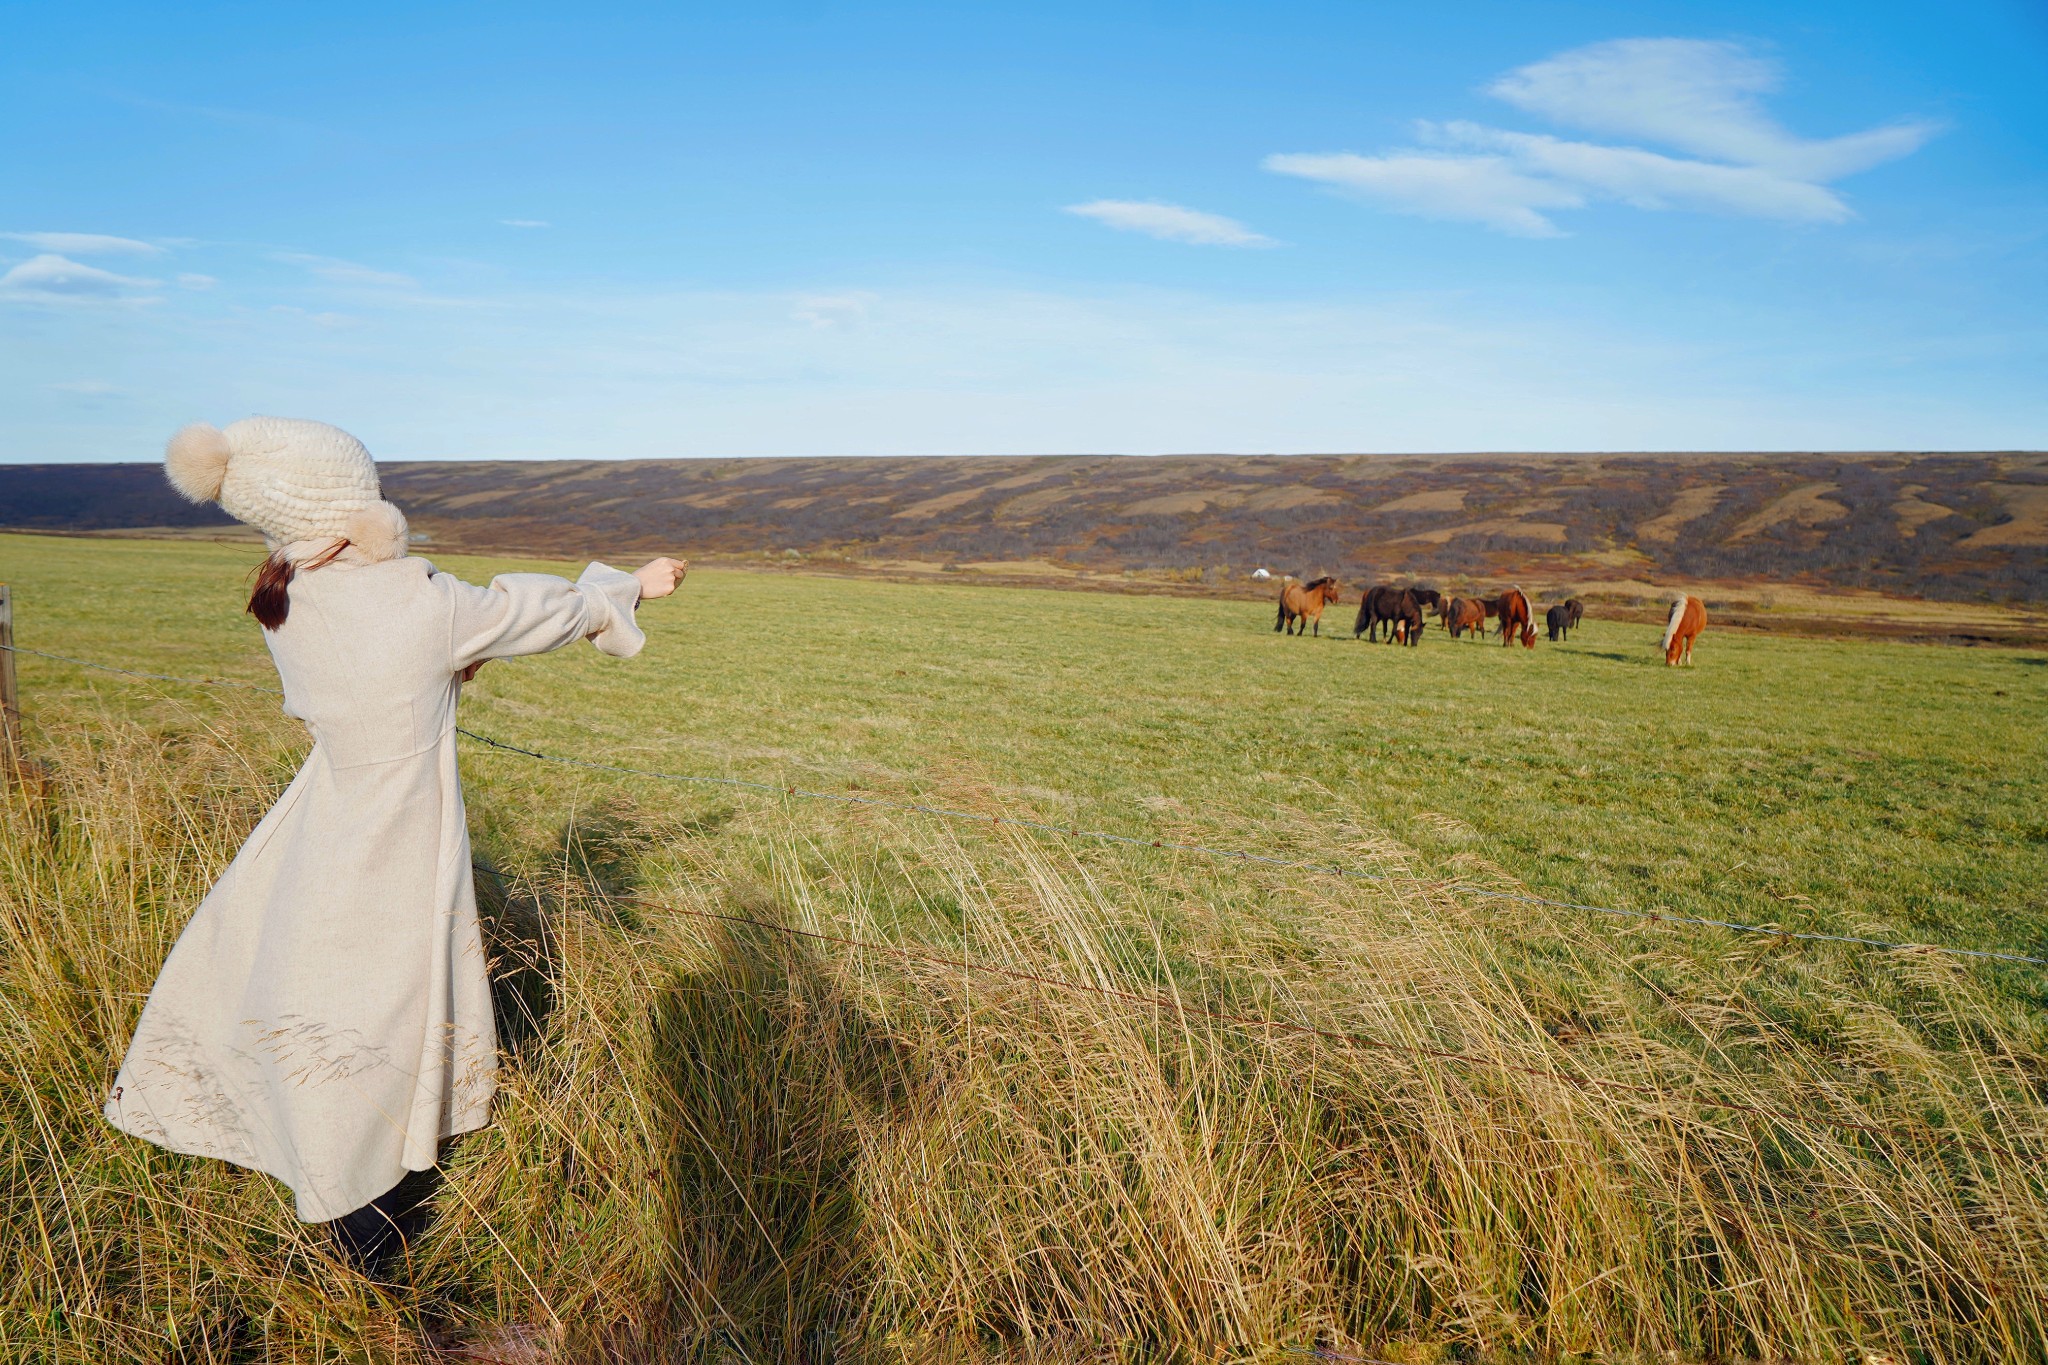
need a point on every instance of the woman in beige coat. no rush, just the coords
(325, 1017)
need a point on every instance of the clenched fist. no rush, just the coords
(658, 577)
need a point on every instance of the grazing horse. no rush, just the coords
(1513, 611)
(1559, 621)
(1301, 604)
(1577, 610)
(1407, 618)
(1385, 603)
(1688, 619)
(1375, 607)
(1462, 615)
(1399, 608)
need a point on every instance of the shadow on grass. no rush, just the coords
(525, 961)
(767, 1070)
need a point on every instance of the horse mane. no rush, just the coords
(1677, 616)
(1315, 583)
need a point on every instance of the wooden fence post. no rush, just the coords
(10, 702)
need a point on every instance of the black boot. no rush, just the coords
(382, 1232)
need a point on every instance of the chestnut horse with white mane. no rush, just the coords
(1301, 604)
(1688, 619)
(1515, 623)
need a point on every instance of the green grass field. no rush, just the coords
(719, 1142)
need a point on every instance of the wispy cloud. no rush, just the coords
(833, 310)
(336, 271)
(1475, 189)
(1699, 96)
(84, 243)
(1696, 96)
(192, 280)
(1651, 180)
(525, 222)
(51, 276)
(1170, 222)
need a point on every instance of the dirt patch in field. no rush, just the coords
(1031, 504)
(1181, 504)
(1027, 568)
(1287, 497)
(1019, 481)
(1271, 498)
(1914, 511)
(1435, 500)
(1688, 506)
(1807, 505)
(932, 507)
(1538, 532)
(2027, 506)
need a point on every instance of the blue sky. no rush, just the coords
(515, 231)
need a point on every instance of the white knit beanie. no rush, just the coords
(305, 485)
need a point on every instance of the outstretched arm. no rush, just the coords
(534, 613)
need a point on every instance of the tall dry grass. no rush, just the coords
(718, 1140)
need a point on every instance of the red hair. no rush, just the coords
(270, 601)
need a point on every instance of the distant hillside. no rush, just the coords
(1946, 525)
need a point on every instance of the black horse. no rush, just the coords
(1399, 609)
(1559, 620)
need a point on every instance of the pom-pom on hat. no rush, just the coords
(305, 485)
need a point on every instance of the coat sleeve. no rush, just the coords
(532, 613)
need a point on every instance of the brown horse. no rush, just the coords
(1513, 611)
(1462, 615)
(1688, 619)
(1301, 604)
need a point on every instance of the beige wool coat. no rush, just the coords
(326, 1014)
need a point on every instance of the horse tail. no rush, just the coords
(1677, 619)
(1280, 618)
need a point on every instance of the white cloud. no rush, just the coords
(1651, 180)
(1698, 96)
(347, 272)
(833, 310)
(84, 243)
(190, 280)
(525, 222)
(1170, 222)
(1475, 189)
(53, 276)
